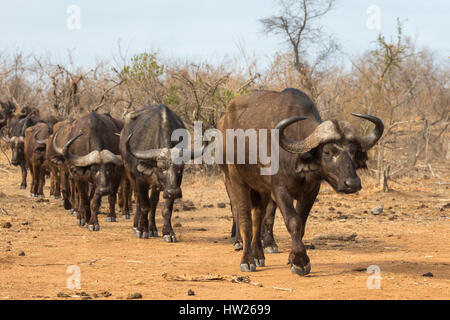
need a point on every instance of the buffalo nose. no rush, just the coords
(353, 183)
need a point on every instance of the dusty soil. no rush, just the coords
(408, 239)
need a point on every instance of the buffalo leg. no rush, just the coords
(94, 206)
(76, 197)
(168, 233)
(235, 233)
(65, 189)
(82, 202)
(23, 167)
(298, 259)
(270, 246)
(112, 199)
(143, 207)
(124, 200)
(240, 200)
(57, 180)
(52, 184)
(304, 206)
(41, 181)
(33, 188)
(154, 198)
(259, 203)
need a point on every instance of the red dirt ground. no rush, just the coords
(409, 239)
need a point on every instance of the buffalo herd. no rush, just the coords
(98, 156)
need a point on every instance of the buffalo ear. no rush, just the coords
(360, 159)
(306, 163)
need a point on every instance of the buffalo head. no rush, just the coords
(157, 163)
(97, 166)
(17, 149)
(333, 151)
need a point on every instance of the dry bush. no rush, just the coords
(407, 87)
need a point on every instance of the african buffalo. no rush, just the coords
(90, 149)
(34, 151)
(311, 151)
(56, 162)
(146, 146)
(16, 133)
(7, 110)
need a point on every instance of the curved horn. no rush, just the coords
(57, 149)
(371, 139)
(83, 161)
(325, 131)
(151, 154)
(285, 143)
(37, 140)
(109, 157)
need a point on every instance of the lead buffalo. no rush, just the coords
(91, 153)
(311, 151)
(146, 146)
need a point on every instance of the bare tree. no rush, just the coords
(297, 24)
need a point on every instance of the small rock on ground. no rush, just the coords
(136, 295)
(6, 225)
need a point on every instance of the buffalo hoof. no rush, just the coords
(74, 213)
(70, 211)
(110, 219)
(126, 217)
(169, 238)
(271, 249)
(153, 234)
(56, 197)
(33, 195)
(301, 271)
(238, 246)
(248, 268)
(93, 227)
(260, 262)
(81, 222)
(140, 235)
(23, 187)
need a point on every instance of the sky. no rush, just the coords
(202, 29)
